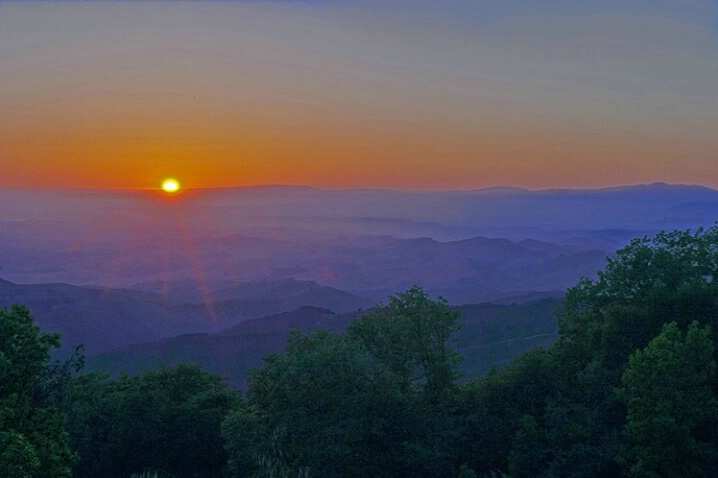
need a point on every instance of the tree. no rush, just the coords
(671, 405)
(495, 407)
(33, 441)
(650, 282)
(411, 337)
(371, 402)
(308, 412)
(672, 277)
(166, 419)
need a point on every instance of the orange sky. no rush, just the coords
(407, 95)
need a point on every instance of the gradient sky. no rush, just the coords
(449, 94)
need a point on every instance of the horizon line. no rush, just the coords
(158, 189)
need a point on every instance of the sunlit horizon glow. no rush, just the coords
(359, 94)
(170, 186)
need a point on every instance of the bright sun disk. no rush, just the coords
(170, 186)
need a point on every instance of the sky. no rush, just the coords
(405, 94)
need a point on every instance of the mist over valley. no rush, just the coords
(110, 269)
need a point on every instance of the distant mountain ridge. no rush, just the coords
(105, 319)
(491, 336)
(138, 266)
(115, 269)
(490, 189)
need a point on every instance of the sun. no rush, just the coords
(170, 186)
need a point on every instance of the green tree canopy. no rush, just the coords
(411, 338)
(371, 402)
(33, 441)
(494, 406)
(671, 278)
(671, 406)
(166, 419)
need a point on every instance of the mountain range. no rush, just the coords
(490, 336)
(105, 319)
(140, 274)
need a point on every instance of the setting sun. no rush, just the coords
(170, 186)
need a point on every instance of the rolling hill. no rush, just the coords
(491, 336)
(105, 319)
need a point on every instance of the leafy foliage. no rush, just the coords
(493, 407)
(667, 390)
(168, 419)
(33, 441)
(373, 402)
(650, 282)
(410, 338)
(672, 278)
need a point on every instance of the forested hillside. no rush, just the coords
(629, 390)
